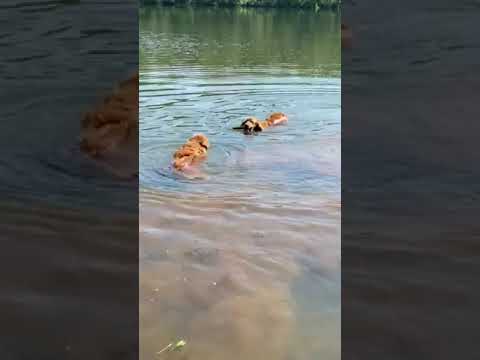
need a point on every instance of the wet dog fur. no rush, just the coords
(113, 123)
(191, 153)
(252, 125)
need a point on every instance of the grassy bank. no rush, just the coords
(304, 4)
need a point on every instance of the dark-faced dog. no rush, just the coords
(252, 125)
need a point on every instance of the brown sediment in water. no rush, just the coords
(218, 279)
(226, 312)
(244, 327)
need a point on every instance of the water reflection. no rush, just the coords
(251, 38)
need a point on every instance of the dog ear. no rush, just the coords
(257, 127)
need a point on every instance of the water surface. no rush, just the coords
(69, 230)
(410, 139)
(244, 263)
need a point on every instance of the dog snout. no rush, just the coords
(248, 130)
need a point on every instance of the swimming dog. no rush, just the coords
(109, 133)
(191, 153)
(114, 122)
(252, 125)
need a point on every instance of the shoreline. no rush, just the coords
(315, 5)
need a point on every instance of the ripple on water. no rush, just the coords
(302, 156)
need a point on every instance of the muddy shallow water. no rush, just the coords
(244, 263)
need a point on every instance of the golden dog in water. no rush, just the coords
(114, 122)
(252, 125)
(191, 153)
(109, 133)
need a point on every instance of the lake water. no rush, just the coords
(410, 186)
(244, 263)
(69, 230)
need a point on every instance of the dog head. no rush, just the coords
(201, 140)
(250, 126)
